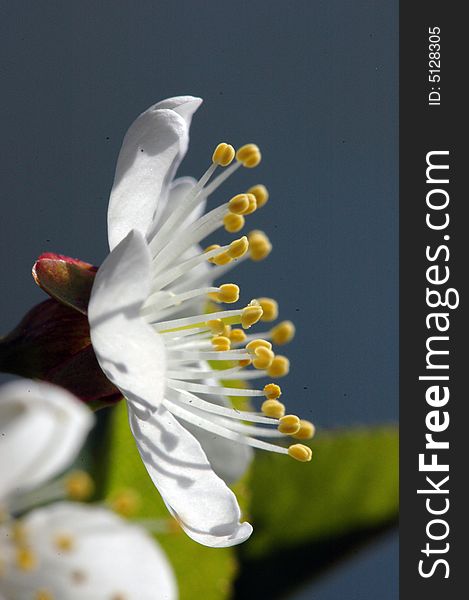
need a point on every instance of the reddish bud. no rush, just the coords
(52, 343)
(65, 279)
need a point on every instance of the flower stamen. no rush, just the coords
(239, 204)
(273, 408)
(279, 367)
(270, 309)
(233, 222)
(221, 343)
(227, 293)
(79, 485)
(223, 155)
(237, 336)
(282, 333)
(249, 155)
(26, 559)
(306, 431)
(300, 452)
(261, 193)
(259, 245)
(272, 391)
(289, 424)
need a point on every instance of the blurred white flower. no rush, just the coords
(66, 550)
(71, 551)
(43, 428)
(153, 341)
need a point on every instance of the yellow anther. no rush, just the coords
(233, 223)
(282, 333)
(249, 155)
(126, 503)
(79, 485)
(25, 559)
(216, 326)
(289, 424)
(221, 343)
(252, 204)
(239, 204)
(306, 432)
(245, 362)
(254, 344)
(270, 308)
(263, 358)
(250, 315)
(272, 391)
(221, 259)
(300, 452)
(261, 194)
(237, 336)
(226, 331)
(238, 248)
(43, 595)
(223, 154)
(273, 408)
(259, 245)
(279, 368)
(212, 247)
(64, 542)
(229, 293)
(19, 533)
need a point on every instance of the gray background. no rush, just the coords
(315, 85)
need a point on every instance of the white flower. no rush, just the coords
(66, 550)
(72, 551)
(43, 428)
(153, 340)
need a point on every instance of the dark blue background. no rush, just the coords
(315, 85)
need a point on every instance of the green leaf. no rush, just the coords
(307, 516)
(201, 572)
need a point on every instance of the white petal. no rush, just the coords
(109, 558)
(205, 507)
(178, 192)
(129, 352)
(42, 430)
(151, 151)
(228, 459)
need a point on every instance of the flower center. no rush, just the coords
(182, 280)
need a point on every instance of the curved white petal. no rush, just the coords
(152, 149)
(42, 430)
(228, 459)
(129, 352)
(107, 558)
(205, 507)
(177, 194)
